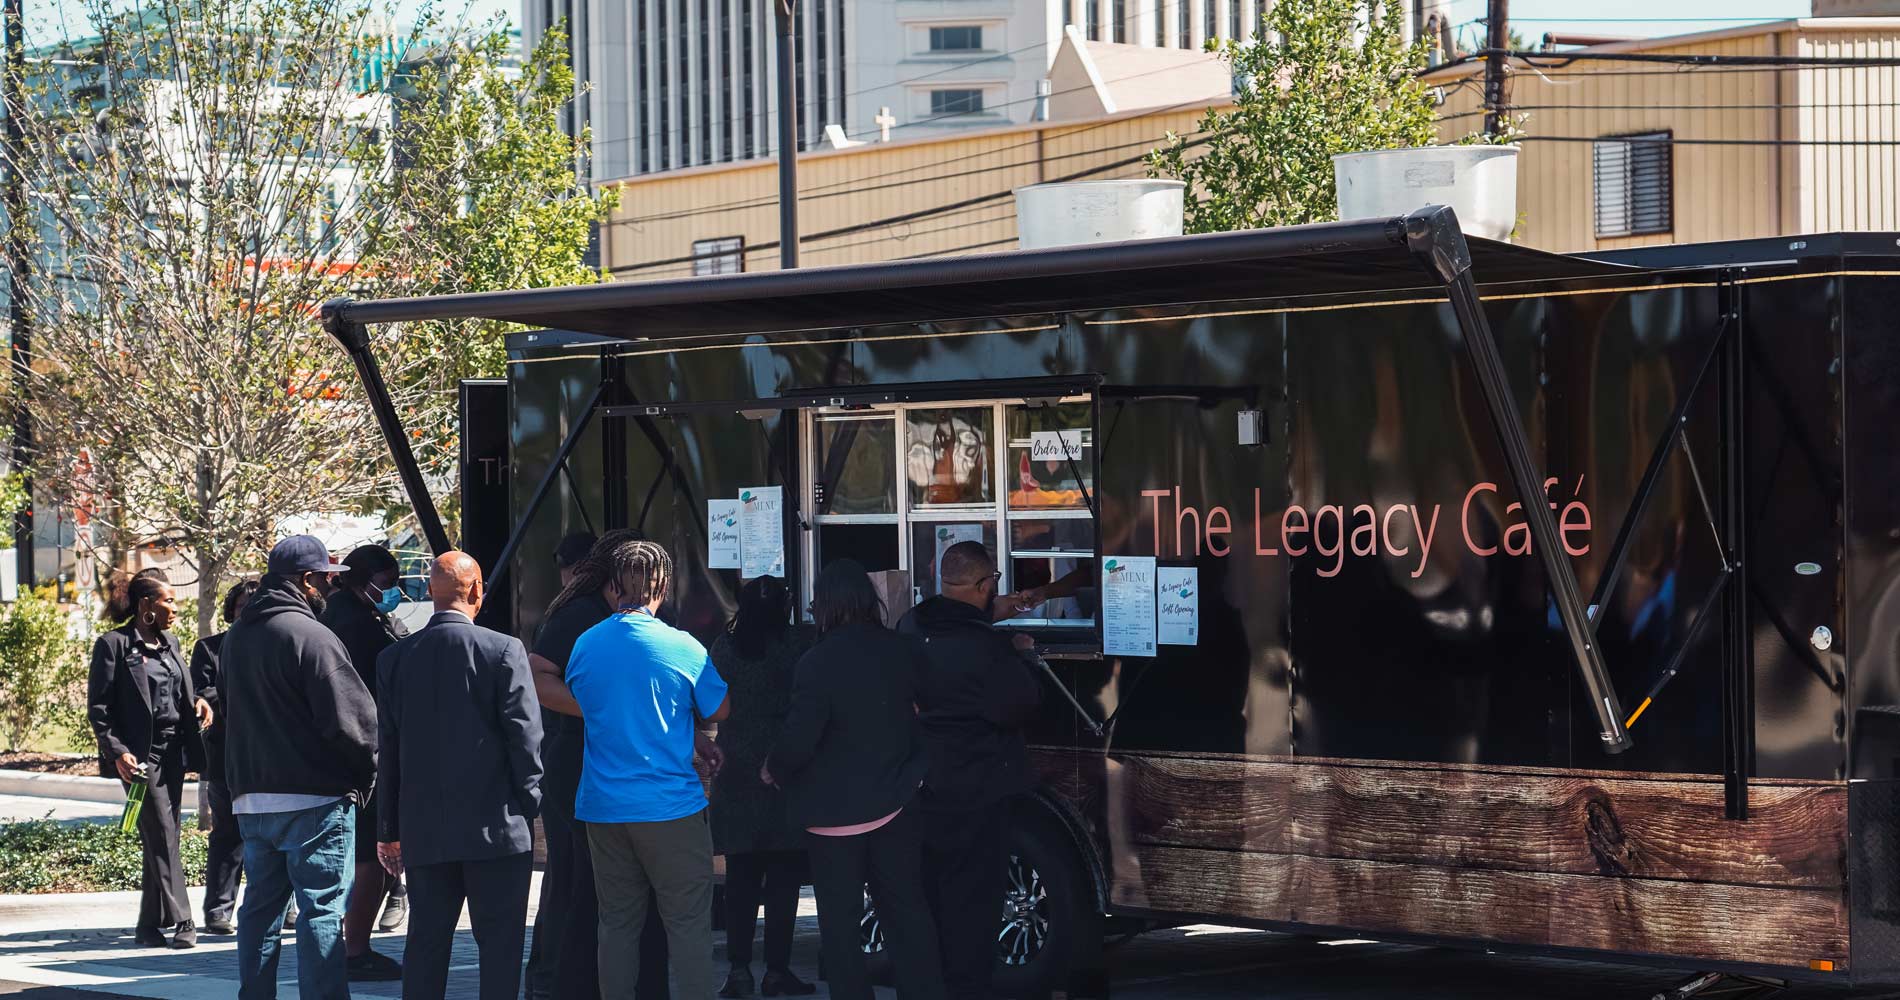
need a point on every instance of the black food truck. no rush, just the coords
(1416, 589)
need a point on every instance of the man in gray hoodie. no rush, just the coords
(300, 756)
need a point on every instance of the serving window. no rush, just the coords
(895, 486)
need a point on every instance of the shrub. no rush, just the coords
(42, 670)
(45, 856)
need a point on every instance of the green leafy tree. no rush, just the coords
(42, 670)
(214, 174)
(488, 198)
(1321, 79)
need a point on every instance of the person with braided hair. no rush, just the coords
(644, 688)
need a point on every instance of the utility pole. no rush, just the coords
(1496, 63)
(787, 134)
(19, 259)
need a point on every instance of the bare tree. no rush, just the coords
(201, 188)
(207, 175)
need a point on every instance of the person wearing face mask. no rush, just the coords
(358, 611)
(300, 756)
(145, 715)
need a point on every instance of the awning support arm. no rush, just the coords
(1433, 236)
(354, 338)
(542, 488)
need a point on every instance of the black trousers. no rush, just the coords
(496, 891)
(224, 862)
(771, 877)
(966, 873)
(162, 899)
(888, 860)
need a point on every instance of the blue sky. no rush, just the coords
(1530, 17)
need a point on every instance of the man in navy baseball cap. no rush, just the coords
(300, 759)
(301, 554)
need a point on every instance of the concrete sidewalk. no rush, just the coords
(83, 941)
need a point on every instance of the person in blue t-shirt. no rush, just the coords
(644, 688)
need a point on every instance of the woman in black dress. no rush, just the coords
(147, 720)
(358, 611)
(765, 853)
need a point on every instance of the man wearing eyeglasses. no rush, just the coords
(974, 702)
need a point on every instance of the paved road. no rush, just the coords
(73, 947)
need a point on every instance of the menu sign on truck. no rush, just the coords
(722, 534)
(1177, 606)
(1128, 605)
(761, 531)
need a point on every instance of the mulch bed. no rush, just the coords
(50, 763)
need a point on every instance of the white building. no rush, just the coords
(680, 83)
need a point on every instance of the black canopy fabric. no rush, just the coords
(1346, 258)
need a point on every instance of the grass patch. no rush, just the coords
(44, 856)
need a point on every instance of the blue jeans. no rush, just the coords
(311, 852)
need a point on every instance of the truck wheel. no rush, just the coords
(1049, 927)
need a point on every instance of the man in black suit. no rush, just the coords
(459, 782)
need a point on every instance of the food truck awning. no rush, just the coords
(1332, 259)
(1424, 250)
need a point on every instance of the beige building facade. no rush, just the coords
(1620, 153)
(1625, 153)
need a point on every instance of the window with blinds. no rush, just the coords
(1634, 182)
(725, 255)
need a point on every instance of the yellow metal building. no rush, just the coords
(1620, 154)
(1750, 151)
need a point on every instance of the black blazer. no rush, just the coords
(459, 778)
(204, 680)
(119, 701)
(851, 750)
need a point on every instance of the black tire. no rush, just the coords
(1050, 926)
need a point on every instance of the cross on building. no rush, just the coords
(884, 122)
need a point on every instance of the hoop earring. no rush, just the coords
(149, 618)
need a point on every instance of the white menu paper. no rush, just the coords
(1128, 605)
(1177, 606)
(761, 531)
(722, 534)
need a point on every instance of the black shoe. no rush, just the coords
(781, 983)
(221, 928)
(149, 937)
(185, 937)
(371, 967)
(738, 983)
(394, 912)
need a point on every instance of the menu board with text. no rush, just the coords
(1128, 605)
(761, 531)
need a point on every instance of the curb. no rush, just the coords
(77, 788)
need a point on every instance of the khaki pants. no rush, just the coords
(673, 860)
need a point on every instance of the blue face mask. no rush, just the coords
(391, 599)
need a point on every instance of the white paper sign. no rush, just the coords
(1177, 606)
(1128, 605)
(761, 531)
(722, 534)
(953, 534)
(1055, 446)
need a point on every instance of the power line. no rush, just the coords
(846, 191)
(1636, 139)
(855, 185)
(918, 214)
